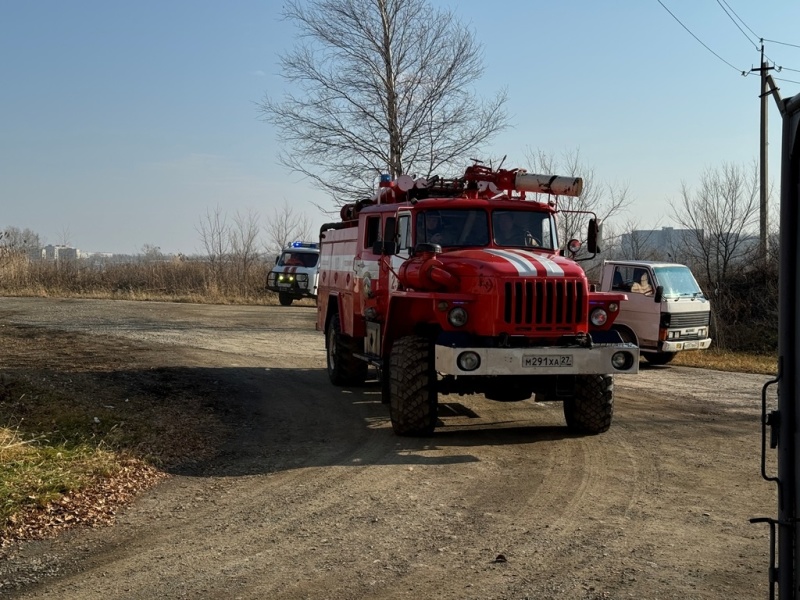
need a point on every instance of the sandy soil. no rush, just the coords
(314, 497)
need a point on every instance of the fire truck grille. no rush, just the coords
(693, 319)
(544, 304)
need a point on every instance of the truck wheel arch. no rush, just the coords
(626, 333)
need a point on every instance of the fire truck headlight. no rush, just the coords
(599, 317)
(613, 307)
(622, 361)
(468, 361)
(457, 317)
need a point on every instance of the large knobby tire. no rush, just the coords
(343, 367)
(413, 400)
(285, 299)
(662, 358)
(386, 387)
(591, 408)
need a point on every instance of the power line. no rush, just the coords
(742, 21)
(701, 41)
(778, 67)
(781, 43)
(737, 25)
(789, 80)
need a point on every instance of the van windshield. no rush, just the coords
(298, 259)
(678, 281)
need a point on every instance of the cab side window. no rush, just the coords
(373, 229)
(389, 229)
(404, 233)
(618, 282)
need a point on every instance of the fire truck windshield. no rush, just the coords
(453, 227)
(523, 228)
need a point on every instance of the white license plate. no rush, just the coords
(532, 361)
(691, 345)
(284, 285)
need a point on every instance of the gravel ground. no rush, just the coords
(314, 497)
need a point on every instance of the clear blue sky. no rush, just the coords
(122, 123)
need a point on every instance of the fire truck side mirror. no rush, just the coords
(384, 247)
(424, 247)
(593, 236)
(659, 294)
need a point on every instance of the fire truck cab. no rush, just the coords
(461, 286)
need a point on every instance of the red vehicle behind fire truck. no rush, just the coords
(460, 286)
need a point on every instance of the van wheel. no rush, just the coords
(285, 299)
(662, 358)
(413, 400)
(591, 408)
(343, 367)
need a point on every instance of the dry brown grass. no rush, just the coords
(721, 360)
(173, 281)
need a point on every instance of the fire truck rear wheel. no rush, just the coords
(285, 299)
(343, 367)
(662, 358)
(413, 400)
(591, 408)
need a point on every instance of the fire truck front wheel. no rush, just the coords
(591, 407)
(343, 367)
(413, 400)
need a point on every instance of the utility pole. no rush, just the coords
(763, 158)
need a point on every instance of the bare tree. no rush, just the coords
(65, 236)
(286, 226)
(382, 86)
(23, 241)
(639, 244)
(720, 214)
(214, 233)
(151, 253)
(244, 236)
(606, 200)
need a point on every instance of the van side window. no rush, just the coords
(623, 278)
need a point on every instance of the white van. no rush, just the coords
(296, 272)
(666, 311)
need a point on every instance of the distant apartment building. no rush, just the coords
(686, 245)
(666, 243)
(60, 253)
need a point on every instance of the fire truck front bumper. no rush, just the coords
(600, 359)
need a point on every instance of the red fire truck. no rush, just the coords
(461, 286)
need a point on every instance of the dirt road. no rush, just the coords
(314, 497)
